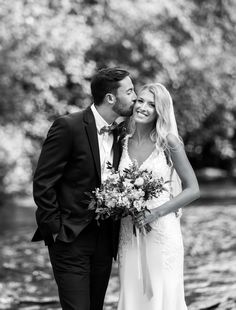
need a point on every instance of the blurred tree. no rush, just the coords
(189, 46)
(43, 74)
(50, 49)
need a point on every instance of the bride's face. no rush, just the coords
(144, 109)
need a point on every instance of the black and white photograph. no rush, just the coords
(117, 155)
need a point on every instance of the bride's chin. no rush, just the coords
(137, 119)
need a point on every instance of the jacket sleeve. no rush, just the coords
(53, 158)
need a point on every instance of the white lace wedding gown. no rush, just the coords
(164, 251)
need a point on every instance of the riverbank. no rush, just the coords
(26, 280)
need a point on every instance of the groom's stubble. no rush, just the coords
(125, 98)
(122, 109)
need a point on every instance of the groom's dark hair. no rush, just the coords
(106, 81)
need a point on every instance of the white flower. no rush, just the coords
(139, 182)
(111, 203)
(113, 178)
(114, 194)
(134, 195)
(141, 192)
(127, 183)
(138, 204)
(125, 201)
(137, 194)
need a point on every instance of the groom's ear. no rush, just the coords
(110, 98)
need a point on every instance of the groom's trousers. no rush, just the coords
(82, 268)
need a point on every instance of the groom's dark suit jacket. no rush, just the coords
(69, 166)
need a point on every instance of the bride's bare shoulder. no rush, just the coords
(173, 141)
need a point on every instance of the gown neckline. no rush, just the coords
(135, 160)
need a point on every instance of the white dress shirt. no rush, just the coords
(105, 142)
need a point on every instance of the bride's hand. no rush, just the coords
(151, 216)
(139, 220)
(147, 218)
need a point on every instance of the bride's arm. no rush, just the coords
(185, 171)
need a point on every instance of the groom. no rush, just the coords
(72, 162)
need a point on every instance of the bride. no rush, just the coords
(155, 282)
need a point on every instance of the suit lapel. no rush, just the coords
(116, 150)
(119, 134)
(91, 131)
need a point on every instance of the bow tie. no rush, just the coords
(108, 128)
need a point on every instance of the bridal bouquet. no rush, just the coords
(125, 193)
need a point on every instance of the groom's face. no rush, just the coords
(125, 98)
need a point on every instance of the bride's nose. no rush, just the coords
(143, 106)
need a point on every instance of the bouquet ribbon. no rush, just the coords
(143, 270)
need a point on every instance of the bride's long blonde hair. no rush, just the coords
(163, 104)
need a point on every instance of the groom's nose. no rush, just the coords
(134, 96)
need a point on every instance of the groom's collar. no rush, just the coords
(99, 120)
(89, 117)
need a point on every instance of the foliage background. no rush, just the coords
(49, 50)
